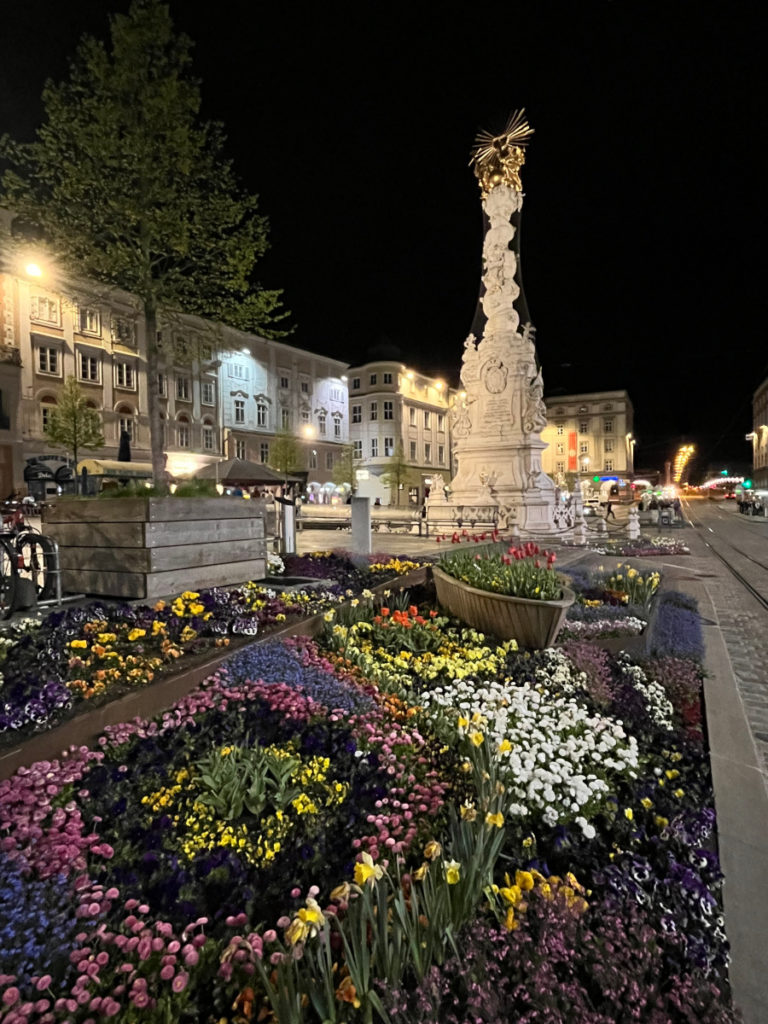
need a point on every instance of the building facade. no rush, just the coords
(392, 409)
(223, 393)
(759, 436)
(591, 435)
(270, 389)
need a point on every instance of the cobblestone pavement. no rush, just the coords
(742, 619)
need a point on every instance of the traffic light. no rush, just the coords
(747, 484)
(723, 472)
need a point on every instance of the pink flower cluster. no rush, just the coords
(395, 826)
(131, 966)
(51, 840)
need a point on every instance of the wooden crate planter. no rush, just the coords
(534, 624)
(153, 547)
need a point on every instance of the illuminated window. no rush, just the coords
(125, 376)
(45, 310)
(47, 405)
(182, 432)
(89, 368)
(89, 321)
(48, 360)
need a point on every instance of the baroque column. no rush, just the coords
(497, 422)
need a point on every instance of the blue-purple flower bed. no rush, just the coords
(365, 829)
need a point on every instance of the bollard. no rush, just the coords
(361, 526)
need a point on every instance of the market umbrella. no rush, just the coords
(240, 471)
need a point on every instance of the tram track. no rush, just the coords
(758, 595)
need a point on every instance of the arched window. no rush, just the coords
(47, 405)
(182, 431)
(126, 422)
(208, 436)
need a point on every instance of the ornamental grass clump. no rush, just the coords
(527, 571)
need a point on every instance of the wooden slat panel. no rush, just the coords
(97, 535)
(94, 510)
(161, 584)
(182, 556)
(204, 531)
(170, 509)
(131, 585)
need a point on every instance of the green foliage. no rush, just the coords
(285, 452)
(398, 474)
(344, 468)
(254, 779)
(196, 489)
(73, 424)
(518, 573)
(131, 189)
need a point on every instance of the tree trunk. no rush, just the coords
(156, 439)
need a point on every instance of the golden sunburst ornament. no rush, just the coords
(497, 159)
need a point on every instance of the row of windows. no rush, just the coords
(126, 423)
(607, 466)
(356, 415)
(584, 427)
(47, 310)
(262, 418)
(584, 447)
(386, 378)
(388, 449)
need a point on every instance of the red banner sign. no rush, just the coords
(573, 461)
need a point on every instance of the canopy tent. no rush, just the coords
(117, 470)
(239, 471)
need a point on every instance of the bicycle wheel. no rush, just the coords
(36, 562)
(8, 578)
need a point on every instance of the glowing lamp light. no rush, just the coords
(172, 488)
(34, 270)
(220, 488)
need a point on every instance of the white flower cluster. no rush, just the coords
(657, 703)
(557, 674)
(558, 762)
(275, 564)
(631, 626)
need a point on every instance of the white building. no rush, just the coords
(223, 393)
(590, 434)
(268, 387)
(390, 406)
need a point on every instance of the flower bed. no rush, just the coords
(399, 821)
(91, 654)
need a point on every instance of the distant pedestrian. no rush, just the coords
(609, 510)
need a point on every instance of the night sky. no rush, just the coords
(643, 219)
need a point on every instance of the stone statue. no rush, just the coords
(535, 415)
(497, 159)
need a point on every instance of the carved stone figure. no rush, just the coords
(494, 375)
(535, 415)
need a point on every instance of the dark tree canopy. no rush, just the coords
(132, 189)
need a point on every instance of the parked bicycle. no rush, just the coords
(25, 553)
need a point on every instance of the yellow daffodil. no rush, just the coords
(367, 871)
(495, 819)
(452, 870)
